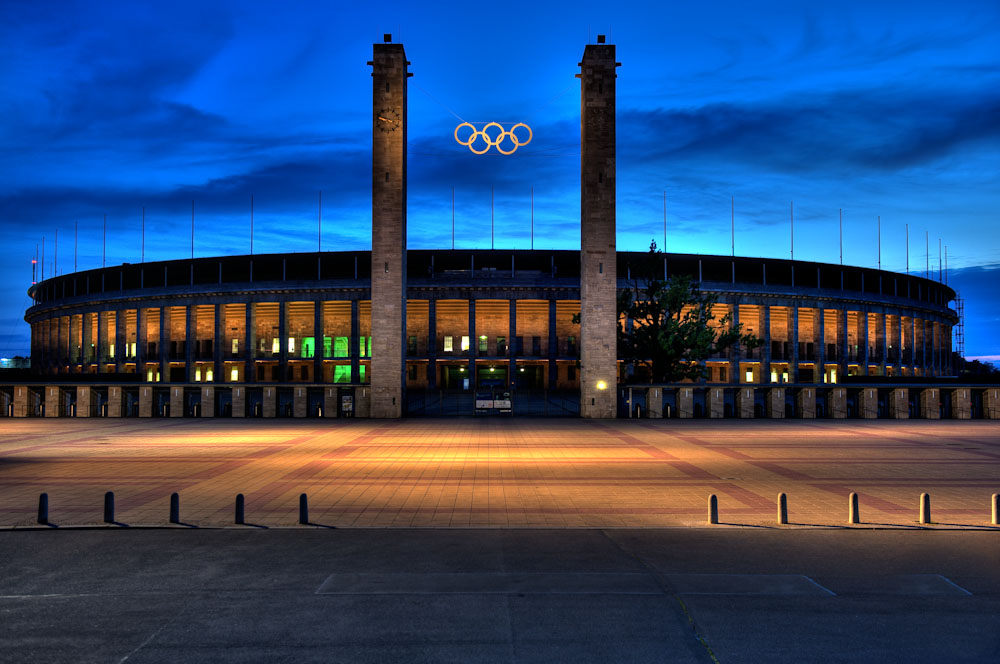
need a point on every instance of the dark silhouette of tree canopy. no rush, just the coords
(674, 327)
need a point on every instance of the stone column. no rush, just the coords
(102, 340)
(87, 341)
(899, 403)
(745, 403)
(21, 400)
(765, 349)
(282, 342)
(162, 345)
(318, 342)
(190, 339)
(208, 400)
(239, 402)
(329, 402)
(120, 341)
(736, 354)
(819, 376)
(473, 343)
(961, 403)
(654, 403)
(793, 371)
(598, 256)
(53, 401)
(806, 403)
(776, 403)
(868, 403)
(837, 403)
(84, 395)
(388, 274)
(431, 343)
(115, 401)
(269, 403)
(218, 342)
(685, 402)
(355, 349)
(177, 401)
(145, 401)
(930, 403)
(250, 369)
(863, 356)
(300, 402)
(991, 403)
(716, 403)
(844, 341)
(553, 346)
(511, 334)
(141, 316)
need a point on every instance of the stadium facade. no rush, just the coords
(395, 331)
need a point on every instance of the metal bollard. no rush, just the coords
(240, 502)
(925, 508)
(996, 509)
(854, 513)
(175, 508)
(109, 507)
(713, 509)
(782, 508)
(43, 509)
(303, 509)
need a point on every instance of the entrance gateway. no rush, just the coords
(598, 270)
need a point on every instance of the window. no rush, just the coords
(309, 347)
(448, 348)
(342, 373)
(411, 345)
(501, 345)
(411, 372)
(291, 345)
(465, 343)
(483, 343)
(236, 346)
(275, 345)
(571, 345)
(536, 345)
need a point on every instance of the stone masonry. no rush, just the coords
(388, 229)
(598, 273)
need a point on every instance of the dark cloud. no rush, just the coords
(874, 130)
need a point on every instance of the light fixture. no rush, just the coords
(601, 385)
(492, 369)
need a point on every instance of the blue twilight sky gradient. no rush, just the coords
(879, 108)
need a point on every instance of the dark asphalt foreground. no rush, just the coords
(665, 595)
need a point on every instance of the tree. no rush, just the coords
(674, 327)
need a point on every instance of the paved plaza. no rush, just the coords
(499, 472)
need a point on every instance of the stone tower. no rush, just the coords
(388, 228)
(598, 273)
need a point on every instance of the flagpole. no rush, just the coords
(76, 241)
(532, 218)
(841, 236)
(791, 212)
(192, 229)
(319, 224)
(104, 241)
(907, 248)
(142, 244)
(879, 241)
(732, 224)
(453, 218)
(251, 224)
(664, 222)
(491, 217)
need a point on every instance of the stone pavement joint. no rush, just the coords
(500, 473)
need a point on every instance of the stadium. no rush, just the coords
(393, 332)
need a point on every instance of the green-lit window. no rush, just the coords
(309, 347)
(341, 347)
(342, 374)
(483, 343)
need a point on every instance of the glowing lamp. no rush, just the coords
(601, 385)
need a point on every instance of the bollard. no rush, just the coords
(175, 508)
(109, 507)
(996, 509)
(925, 508)
(782, 508)
(854, 514)
(713, 509)
(43, 509)
(303, 509)
(239, 509)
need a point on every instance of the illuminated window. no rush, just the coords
(342, 373)
(749, 376)
(197, 374)
(465, 343)
(208, 375)
(448, 347)
(482, 343)
(291, 345)
(234, 374)
(774, 376)
(309, 347)
(275, 345)
(236, 346)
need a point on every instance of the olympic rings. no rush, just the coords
(496, 141)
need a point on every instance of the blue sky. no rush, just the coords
(882, 109)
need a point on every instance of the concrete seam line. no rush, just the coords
(694, 628)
